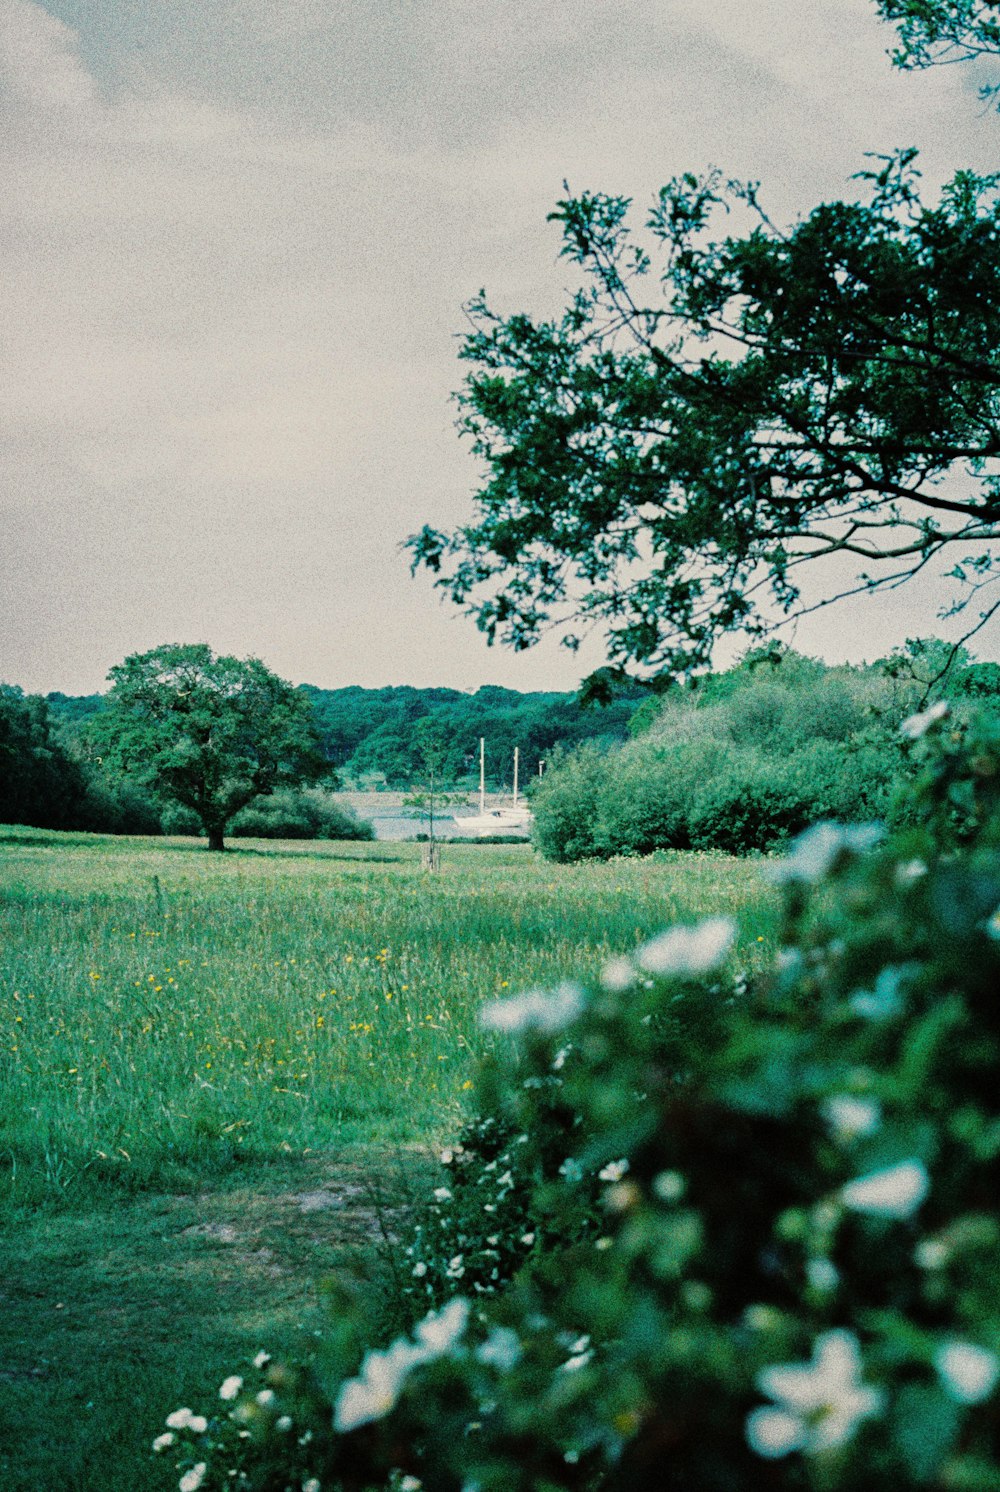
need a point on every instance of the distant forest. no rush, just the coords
(380, 737)
(738, 760)
(52, 776)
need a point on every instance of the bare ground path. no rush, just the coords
(113, 1314)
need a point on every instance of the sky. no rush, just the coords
(237, 237)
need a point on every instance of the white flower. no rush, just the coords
(442, 1194)
(895, 1192)
(818, 1405)
(822, 1275)
(197, 1424)
(689, 950)
(456, 1267)
(284, 1422)
(192, 1480)
(536, 1010)
(668, 1186)
(909, 871)
(915, 725)
(613, 1171)
(440, 1330)
(527, 1239)
(163, 1441)
(179, 1420)
(446, 1157)
(931, 1253)
(582, 1352)
(375, 1391)
(816, 851)
(419, 1269)
(262, 1359)
(410, 1484)
(968, 1373)
(885, 1000)
(618, 974)
(501, 1350)
(571, 1169)
(312, 1484)
(266, 1398)
(852, 1118)
(230, 1387)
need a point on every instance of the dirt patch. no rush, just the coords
(220, 1232)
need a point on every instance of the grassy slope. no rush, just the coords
(192, 1044)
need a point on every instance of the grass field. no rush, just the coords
(207, 1063)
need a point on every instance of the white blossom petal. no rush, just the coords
(774, 1432)
(536, 1010)
(815, 852)
(915, 726)
(688, 951)
(851, 1117)
(968, 1373)
(895, 1192)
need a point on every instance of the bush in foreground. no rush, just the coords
(745, 1238)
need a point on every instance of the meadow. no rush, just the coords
(218, 1076)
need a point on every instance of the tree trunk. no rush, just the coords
(215, 840)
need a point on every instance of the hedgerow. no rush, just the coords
(763, 1222)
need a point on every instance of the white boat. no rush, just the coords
(494, 820)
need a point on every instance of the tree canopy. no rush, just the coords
(934, 32)
(715, 415)
(211, 734)
(39, 782)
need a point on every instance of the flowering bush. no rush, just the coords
(767, 1222)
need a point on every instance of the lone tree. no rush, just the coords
(715, 416)
(208, 733)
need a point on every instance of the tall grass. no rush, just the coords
(164, 1011)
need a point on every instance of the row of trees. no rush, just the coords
(188, 743)
(383, 735)
(185, 742)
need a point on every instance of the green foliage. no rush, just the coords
(312, 814)
(945, 31)
(40, 784)
(768, 1234)
(711, 416)
(746, 759)
(208, 734)
(384, 733)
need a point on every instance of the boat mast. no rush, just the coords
(482, 774)
(516, 754)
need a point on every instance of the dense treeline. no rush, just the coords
(375, 736)
(52, 778)
(743, 760)
(737, 761)
(52, 774)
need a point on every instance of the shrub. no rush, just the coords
(310, 814)
(111, 805)
(756, 803)
(565, 805)
(769, 1218)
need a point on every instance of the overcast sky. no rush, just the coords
(237, 236)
